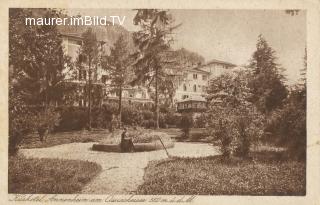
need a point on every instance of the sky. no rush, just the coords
(231, 35)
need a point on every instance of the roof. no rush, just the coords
(198, 98)
(197, 70)
(220, 62)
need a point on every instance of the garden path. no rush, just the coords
(122, 173)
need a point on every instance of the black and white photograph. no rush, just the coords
(155, 101)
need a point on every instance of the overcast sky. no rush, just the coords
(231, 35)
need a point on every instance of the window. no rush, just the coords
(184, 87)
(194, 88)
(104, 79)
(195, 76)
(204, 77)
(184, 97)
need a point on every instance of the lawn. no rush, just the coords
(49, 176)
(266, 175)
(32, 141)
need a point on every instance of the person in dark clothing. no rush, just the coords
(126, 143)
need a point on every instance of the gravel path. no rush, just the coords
(121, 173)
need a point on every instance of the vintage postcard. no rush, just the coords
(202, 102)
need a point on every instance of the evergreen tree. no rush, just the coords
(36, 57)
(89, 59)
(37, 66)
(267, 80)
(120, 72)
(153, 41)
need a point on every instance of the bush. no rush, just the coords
(149, 124)
(200, 121)
(186, 124)
(131, 116)
(172, 119)
(45, 121)
(287, 126)
(234, 122)
(72, 118)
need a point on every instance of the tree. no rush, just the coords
(153, 42)
(267, 81)
(36, 57)
(232, 119)
(37, 64)
(89, 56)
(288, 124)
(118, 66)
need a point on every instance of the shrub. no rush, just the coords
(234, 122)
(172, 119)
(149, 123)
(200, 121)
(131, 116)
(72, 118)
(45, 121)
(288, 125)
(186, 124)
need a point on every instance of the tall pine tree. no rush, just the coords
(153, 42)
(118, 66)
(89, 57)
(267, 80)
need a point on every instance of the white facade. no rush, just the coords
(71, 45)
(192, 83)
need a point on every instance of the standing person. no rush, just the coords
(126, 143)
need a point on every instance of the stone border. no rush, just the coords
(139, 147)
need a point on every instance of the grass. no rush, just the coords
(32, 141)
(268, 174)
(49, 176)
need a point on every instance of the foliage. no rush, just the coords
(200, 120)
(186, 124)
(36, 69)
(19, 121)
(266, 80)
(45, 121)
(153, 42)
(213, 176)
(287, 125)
(36, 57)
(49, 176)
(119, 71)
(232, 119)
(72, 118)
(89, 58)
(131, 116)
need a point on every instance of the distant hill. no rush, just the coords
(109, 34)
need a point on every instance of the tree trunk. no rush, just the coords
(89, 98)
(120, 106)
(157, 101)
